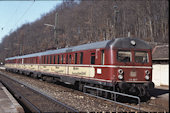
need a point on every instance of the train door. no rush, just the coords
(92, 57)
(70, 59)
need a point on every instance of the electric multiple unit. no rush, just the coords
(123, 64)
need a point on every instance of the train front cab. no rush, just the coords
(132, 69)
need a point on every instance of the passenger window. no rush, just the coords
(92, 58)
(102, 57)
(67, 59)
(75, 58)
(81, 57)
(50, 59)
(124, 56)
(70, 59)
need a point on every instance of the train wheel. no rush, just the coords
(76, 85)
(146, 97)
(35, 76)
(49, 79)
(43, 78)
(143, 93)
(80, 86)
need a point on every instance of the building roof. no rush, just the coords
(160, 52)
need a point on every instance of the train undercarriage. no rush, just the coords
(137, 89)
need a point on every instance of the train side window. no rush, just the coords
(50, 59)
(92, 58)
(75, 58)
(81, 57)
(124, 56)
(102, 57)
(69, 59)
(58, 59)
(66, 59)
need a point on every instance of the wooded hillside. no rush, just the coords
(89, 21)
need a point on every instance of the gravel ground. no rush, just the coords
(73, 98)
(81, 101)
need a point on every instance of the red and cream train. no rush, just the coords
(124, 64)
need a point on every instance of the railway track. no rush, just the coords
(32, 99)
(148, 106)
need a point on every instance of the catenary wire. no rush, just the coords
(24, 13)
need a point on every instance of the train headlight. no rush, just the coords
(147, 77)
(120, 71)
(133, 42)
(120, 77)
(147, 72)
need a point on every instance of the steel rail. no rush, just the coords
(45, 95)
(21, 98)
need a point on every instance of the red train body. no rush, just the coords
(123, 64)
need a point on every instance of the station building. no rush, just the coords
(160, 60)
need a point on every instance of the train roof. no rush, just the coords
(116, 43)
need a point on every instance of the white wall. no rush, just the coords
(160, 74)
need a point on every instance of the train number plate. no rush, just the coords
(133, 74)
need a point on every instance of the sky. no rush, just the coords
(13, 14)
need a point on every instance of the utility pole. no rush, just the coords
(116, 11)
(55, 28)
(20, 48)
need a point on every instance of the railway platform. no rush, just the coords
(8, 104)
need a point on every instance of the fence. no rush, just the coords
(115, 95)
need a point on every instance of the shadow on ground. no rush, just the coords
(157, 92)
